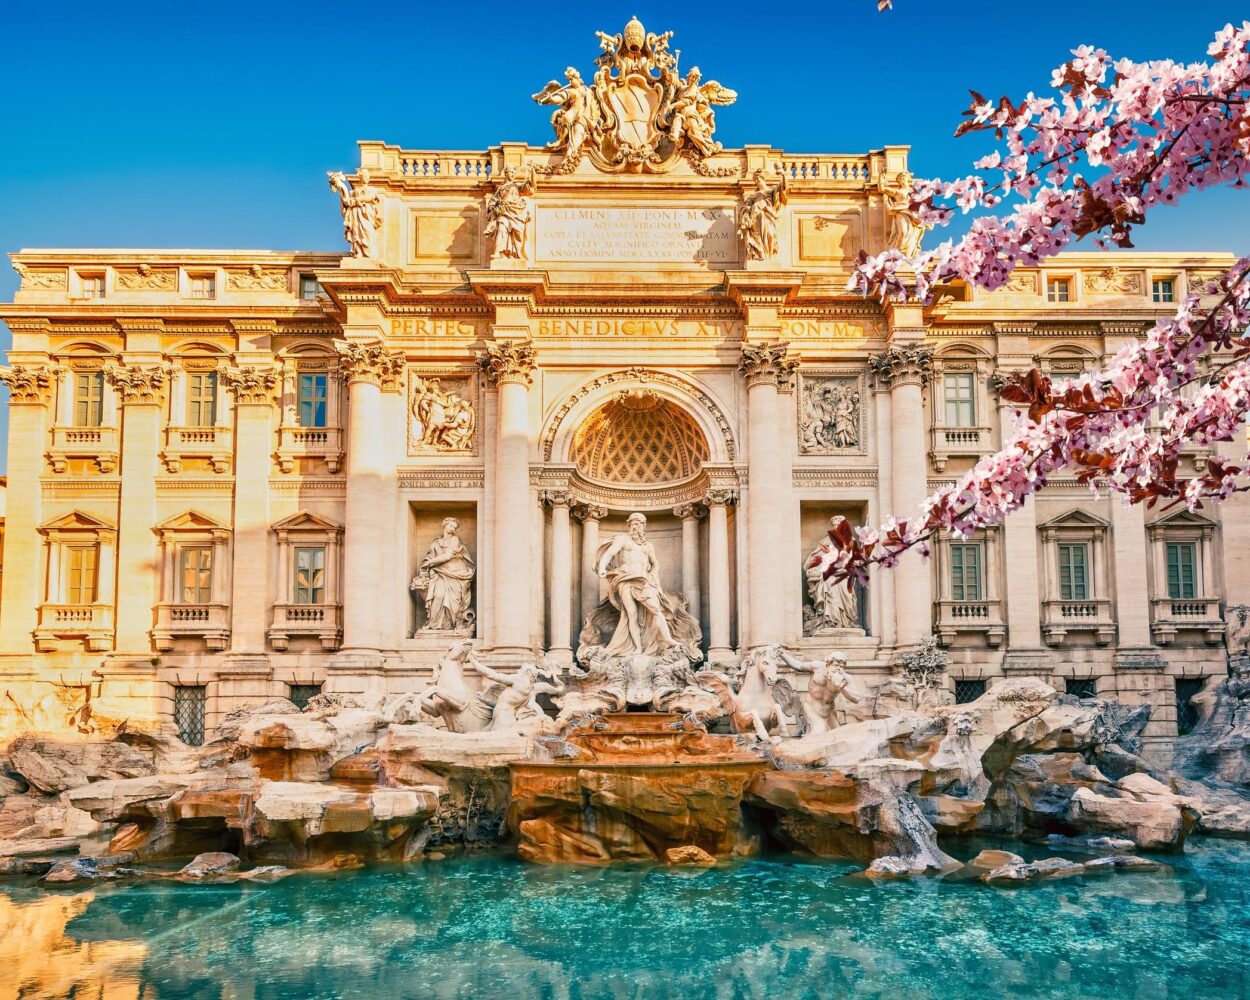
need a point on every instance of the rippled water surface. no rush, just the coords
(492, 927)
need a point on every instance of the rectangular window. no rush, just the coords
(301, 694)
(1182, 559)
(189, 706)
(309, 287)
(310, 565)
(961, 408)
(1058, 290)
(1081, 687)
(195, 574)
(203, 286)
(1163, 289)
(201, 399)
(312, 399)
(80, 574)
(88, 399)
(967, 691)
(1187, 689)
(966, 571)
(92, 285)
(1073, 572)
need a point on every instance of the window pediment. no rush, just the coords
(306, 520)
(76, 521)
(1076, 518)
(192, 520)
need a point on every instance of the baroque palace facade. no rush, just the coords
(236, 475)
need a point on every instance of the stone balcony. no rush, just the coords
(313, 621)
(90, 623)
(1171, 616)
(209, 622)
(213, 444)
(983, 618)
(97, 444)
(1092, 614)
(958, 442)
(295, 443)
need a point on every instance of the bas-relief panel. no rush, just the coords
(831, 413)
(443, 409)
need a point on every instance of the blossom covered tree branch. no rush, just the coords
(1118, 140)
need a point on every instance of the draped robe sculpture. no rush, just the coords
(445, 581)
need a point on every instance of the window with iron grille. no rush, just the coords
(189, 707)
(1186, 712)
(88, 399)
(201, 399)
(965, 571)
(312, 400)
(968, 690)
(958, 392)
(1081, 687)
(301, 693)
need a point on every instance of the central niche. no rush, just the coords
(639, 438)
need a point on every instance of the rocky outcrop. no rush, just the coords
(52, 766)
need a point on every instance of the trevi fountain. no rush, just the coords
(481, 760)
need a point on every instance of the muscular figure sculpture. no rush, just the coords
(629, 566)
(829, 679)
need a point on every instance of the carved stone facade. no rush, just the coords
(237, 493)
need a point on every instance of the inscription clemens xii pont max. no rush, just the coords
(660, 235)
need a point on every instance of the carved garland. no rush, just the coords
(29, 383)
(638, 375)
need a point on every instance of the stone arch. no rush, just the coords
(637, 438)
(697, 404)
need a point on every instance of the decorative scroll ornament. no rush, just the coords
(370, 363)
(638, 113)
(28, 383)
(135, 384)
(508, 361)
(257, 279)
(902, 363)
(250, 384)
(767, 363)
(362, 212)
(39, 279)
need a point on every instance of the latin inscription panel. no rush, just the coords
(598, 235)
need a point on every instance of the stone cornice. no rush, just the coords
(767, 363)
(508, 361)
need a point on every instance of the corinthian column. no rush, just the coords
(765, 365)
(366, 369)
(510, 365)
(590, 516)
(718, 502)
(560, 613)
(141, 390)
(31, 391)
(689, 514)
(905, 369)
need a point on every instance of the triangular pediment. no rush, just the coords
(1076, 518)
(76, 520)
(1181, 519)
(306, 520)
(191, 520)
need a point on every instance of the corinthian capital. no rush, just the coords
(250, 384)
(29, 384)
(508, 361)
(767, 363)
(370, 363)
(902, 364)
(137, 383)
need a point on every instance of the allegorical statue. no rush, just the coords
(508, 213)
(833, 604)
(906, 229)
(629, 566)
(578, 116)
(692, 115)
(441, 419)
(758, 223)
(445, 582)
(362, 212)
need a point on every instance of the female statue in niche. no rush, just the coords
(834, 605)
(445, 582)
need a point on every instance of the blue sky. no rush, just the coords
(145, 124)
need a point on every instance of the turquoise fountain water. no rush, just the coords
(493, 927)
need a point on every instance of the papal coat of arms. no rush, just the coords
(638, 113)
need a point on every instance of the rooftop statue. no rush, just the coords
(638, 113)
(362, 212)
